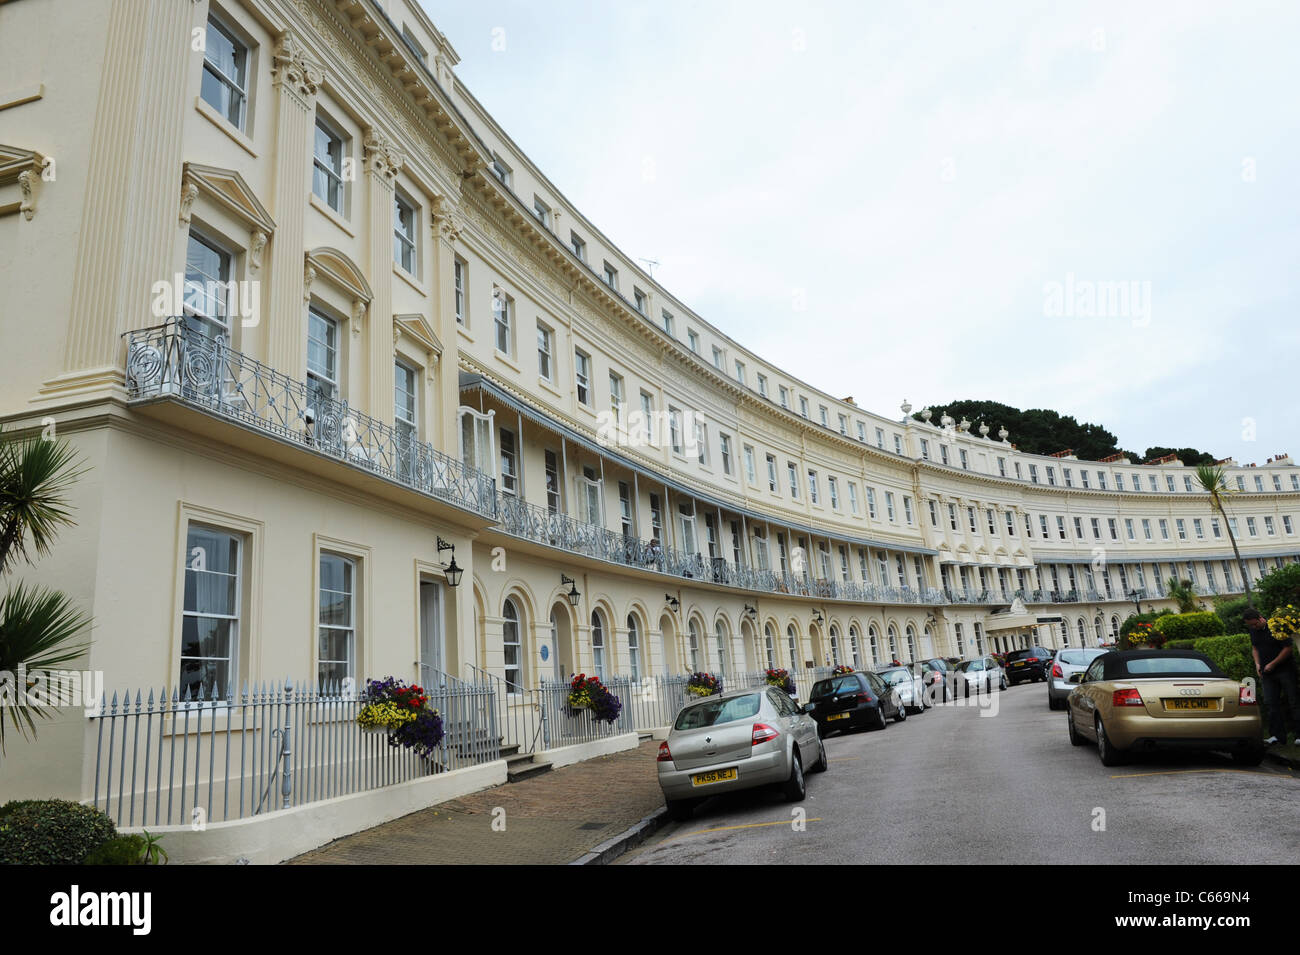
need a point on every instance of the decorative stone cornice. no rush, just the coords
(383, 158)
(293, 70)
(189, 192)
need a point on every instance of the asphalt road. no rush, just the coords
(954, 786)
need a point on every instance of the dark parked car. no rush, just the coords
(854, 700)
(936, 674)
(1028, 665)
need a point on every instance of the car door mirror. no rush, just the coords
(807, 708)
(1076, 677)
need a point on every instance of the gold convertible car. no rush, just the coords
(1139, 700)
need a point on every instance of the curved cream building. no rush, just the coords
(305, 308)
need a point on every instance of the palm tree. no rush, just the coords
(1183, 593)
(37, 625)
(1213, 482)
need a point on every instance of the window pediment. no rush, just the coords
(228, 189)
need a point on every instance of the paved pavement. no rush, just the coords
(952, 786)
(553, 818)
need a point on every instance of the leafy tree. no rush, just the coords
(1189, 456)
(1043, 431)
(1230, 611)
(37, 625)
(1277, 589)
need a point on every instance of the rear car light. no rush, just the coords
(763, 733)
(1056, 671)
(1032, 660)
(1129, 697)
(1246, 697)
(864, 697)
(664, 755)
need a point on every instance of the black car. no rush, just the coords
(853, 700)
(936, 674)
(1027, 665)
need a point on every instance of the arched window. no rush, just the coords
(1114, 628)
(855, 647)
(893, 643)
(792, 639)
(873, 636)
(513, 650)
(769, 646)
(598, 644)
(835, 644)
(1100, 628)
(720, 630)
(911, 643)
(693, 646)
(634, 646)
(1083, 633)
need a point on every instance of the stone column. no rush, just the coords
(295, 81)
(447, 226)
(383, 162)
(133, 188)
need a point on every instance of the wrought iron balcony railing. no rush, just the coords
(181, 363)
(543, 526)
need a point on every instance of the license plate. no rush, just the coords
(1191, 704)
(1017, 664)
(717, 776)
(837, 716)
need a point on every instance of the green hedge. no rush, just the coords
(51, 832)
(1189, 626)
(1230, 653)
(120, 850)
(1230, 610)
(1180, 645)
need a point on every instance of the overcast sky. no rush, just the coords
(942, 186)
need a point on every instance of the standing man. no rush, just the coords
(1277, 676)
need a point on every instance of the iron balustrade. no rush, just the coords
(179, 362)
(165, 759)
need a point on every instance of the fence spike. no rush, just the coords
(114, 710)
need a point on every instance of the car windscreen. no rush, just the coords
(844, 684)
(1079, 658)
(967, 666)
(894, 677)
(715, 712)
(1168, 666)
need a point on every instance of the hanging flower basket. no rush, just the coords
(842, 670)
(780, 677)
(402, 712)
(703, 684)
(1285, 624)
(588, 693)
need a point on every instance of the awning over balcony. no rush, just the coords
(469, 381)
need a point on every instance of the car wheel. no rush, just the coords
(881, 722)
(1075, 738)
(1051, 702)
(822, 764)
(679, 810)
(1002, 682)
(1248, 757)
(988, 685)
(794, 789)
(822, 731)
(1110, 756)
(901, 714)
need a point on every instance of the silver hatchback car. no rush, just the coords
(736, 740)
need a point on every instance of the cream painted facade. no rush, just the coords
(514, 385)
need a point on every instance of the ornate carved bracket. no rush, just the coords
(292, 69)
(383, 159)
